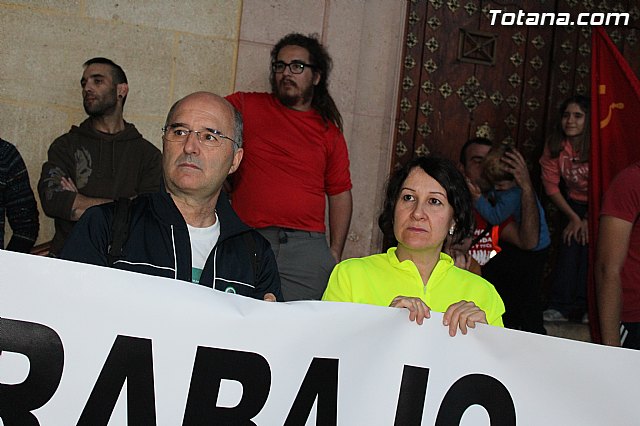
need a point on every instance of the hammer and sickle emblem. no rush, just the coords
(605, 122)
(614, 105)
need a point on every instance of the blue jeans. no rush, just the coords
(569, 285)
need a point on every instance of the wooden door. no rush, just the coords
(463, 77)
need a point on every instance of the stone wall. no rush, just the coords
(167, 49)
(170, 49)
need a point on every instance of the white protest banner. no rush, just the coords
(94, 346)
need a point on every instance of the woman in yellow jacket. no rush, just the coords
(426, 202)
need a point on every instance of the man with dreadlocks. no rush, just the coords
(295, 156)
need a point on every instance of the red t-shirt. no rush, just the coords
(292, 160)
(566, 167)
(622, 200)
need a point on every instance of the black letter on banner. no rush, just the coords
(413, 392)
(130, 359)
(477, 389)
(44, 349)
(211, 366)
(321, 380)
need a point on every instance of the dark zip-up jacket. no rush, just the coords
(158, 244)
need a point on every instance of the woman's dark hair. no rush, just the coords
(447, 175)
(558, 137)
(320, 59)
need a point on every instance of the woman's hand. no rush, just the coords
(577, 229)
(584, 232)
(418, 310)
(462, 315)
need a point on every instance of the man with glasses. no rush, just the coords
(187, 231)
(295, 156)
(102, 159)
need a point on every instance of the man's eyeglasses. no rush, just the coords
(294, 67)
(207, 137)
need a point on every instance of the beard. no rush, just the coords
(101, 105)
(290, 93)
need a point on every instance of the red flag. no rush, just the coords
(615, 135)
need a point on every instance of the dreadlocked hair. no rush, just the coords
(320, 59)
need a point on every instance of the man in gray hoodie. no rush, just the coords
(102, 159)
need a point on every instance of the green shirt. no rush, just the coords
(377, 279)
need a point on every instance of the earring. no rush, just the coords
(452, 230)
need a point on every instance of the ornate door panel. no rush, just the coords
(464, 77)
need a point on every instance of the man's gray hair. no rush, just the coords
(237, 127)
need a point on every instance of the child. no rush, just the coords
(565, 165)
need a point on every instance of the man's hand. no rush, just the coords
(514, 163)
(462, 315)
(459, 252)
(67, 184)
(476, 191)
(269, 297)
(460, 255)
(334, 254)
(461, 259)
(418, 310)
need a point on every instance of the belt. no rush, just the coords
(282, 233)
